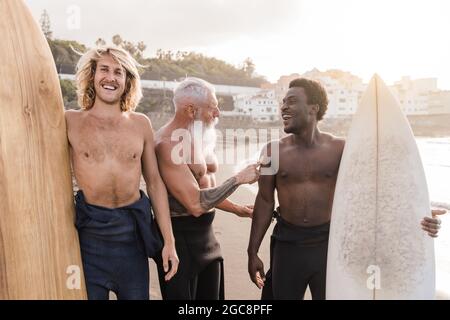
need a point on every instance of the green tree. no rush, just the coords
(66, 54)
(130, 47)
(69, 90)
(159, 54)
(46, 25)
(249, 67)
(69, 93)
(140, 48)
(166, 65)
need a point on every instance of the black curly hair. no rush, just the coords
(315, 94)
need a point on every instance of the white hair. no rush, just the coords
(192, 90)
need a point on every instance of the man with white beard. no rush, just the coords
(188, 169)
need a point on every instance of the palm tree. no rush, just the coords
(117, 40)
(100, 42)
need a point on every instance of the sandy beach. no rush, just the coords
(233, 234)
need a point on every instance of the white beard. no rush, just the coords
(204, 137)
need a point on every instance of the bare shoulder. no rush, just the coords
(142, 121)
(272, 145)
(140, 118)
(72, 113)
(72, 116)
(165, 144)
(335, 142)
(164, 148)
(285, 142)
(164, 136)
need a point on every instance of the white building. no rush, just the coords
(414, 95)
(261, 107)
(344, 91)
(439, 102)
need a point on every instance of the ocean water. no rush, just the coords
(435, 155)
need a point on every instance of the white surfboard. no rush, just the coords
(377, 249)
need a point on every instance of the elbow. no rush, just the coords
(195, 210)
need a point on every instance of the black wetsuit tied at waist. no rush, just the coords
(125, 224)
(299, 235)
(298, 259)
(200, 273)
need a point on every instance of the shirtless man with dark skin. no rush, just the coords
(111, 147)
(305, 182)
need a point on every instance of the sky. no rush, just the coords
(393, 38)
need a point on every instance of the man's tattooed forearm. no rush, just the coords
(210, 198)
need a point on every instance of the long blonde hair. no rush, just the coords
(87, 66)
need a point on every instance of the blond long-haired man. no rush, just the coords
(111, 147)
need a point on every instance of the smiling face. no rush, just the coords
(296, 112)
(208, 112)
(109, 80)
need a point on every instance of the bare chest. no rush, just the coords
(308, 166)
(203, 168)
(99, 143)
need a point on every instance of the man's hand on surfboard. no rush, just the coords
(256, 271)
(432, 225)
(170, 261)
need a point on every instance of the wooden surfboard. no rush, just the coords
(39, 248)
(377, 249)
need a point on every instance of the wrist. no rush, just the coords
(238, 180)
(169, 241)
